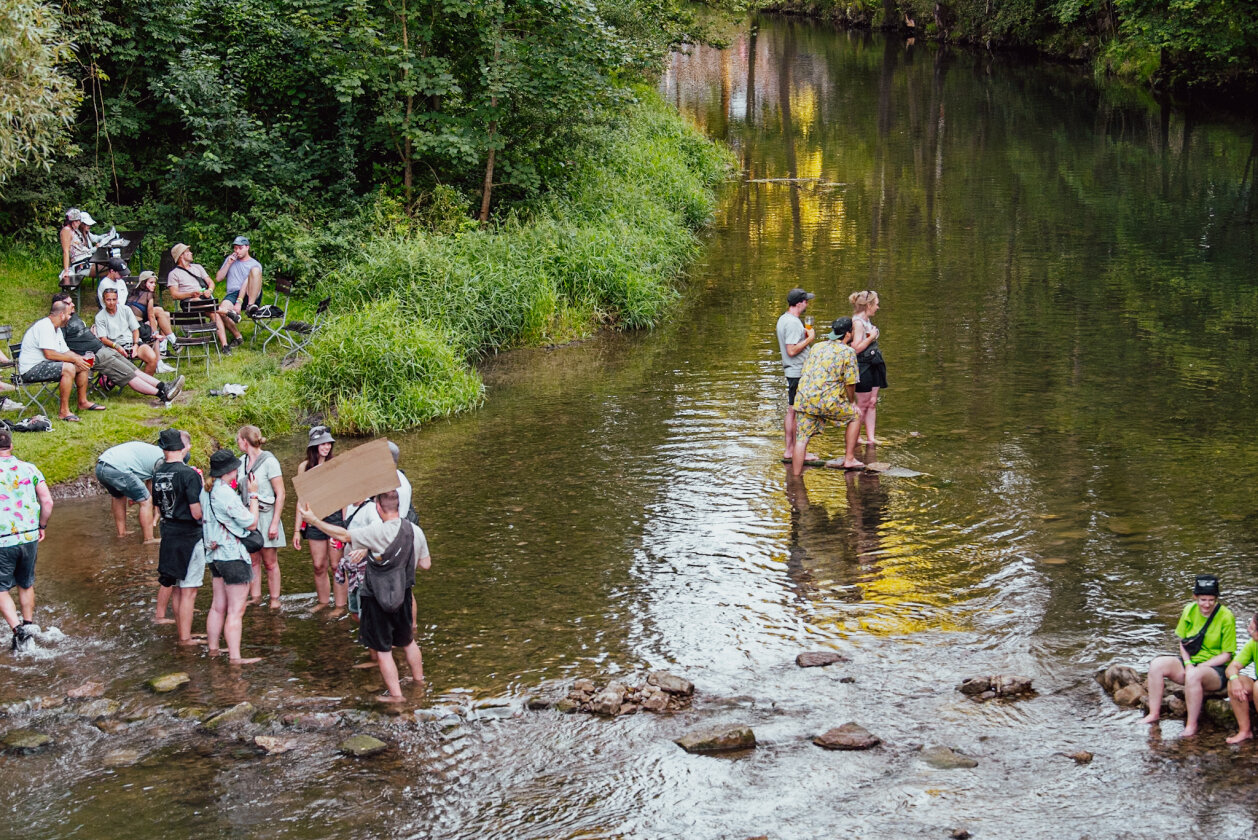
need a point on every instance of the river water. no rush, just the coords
(1068, 317)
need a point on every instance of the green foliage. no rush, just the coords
(37, 99)
(375, 369)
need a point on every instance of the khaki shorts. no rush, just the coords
(809, 425)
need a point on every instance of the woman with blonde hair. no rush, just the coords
(872, 368)
(265, 467)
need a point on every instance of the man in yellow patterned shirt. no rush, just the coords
(827, 394)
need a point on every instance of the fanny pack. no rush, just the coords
(252, 541)
(1193, 643)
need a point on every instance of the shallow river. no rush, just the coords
(1069, 319)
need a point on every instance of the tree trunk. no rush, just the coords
(489, 172)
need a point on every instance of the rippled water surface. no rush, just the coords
(1069, 316)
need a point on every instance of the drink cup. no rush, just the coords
(808, 322)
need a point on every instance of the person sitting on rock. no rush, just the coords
(396, 548)
(1240, 688)
(1207, 642)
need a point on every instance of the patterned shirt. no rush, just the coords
(19, 504)
(830, 368)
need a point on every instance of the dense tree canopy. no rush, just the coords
(37, 99)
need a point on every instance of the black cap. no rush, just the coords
(1206, 585)
(840, 327)
(222, 462)
(118, 265)
(795, 296)
(170, 440)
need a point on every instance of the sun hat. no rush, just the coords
(320, 435)
(178, 251)
(222, 462)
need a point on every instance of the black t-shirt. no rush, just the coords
(176, 486)
(79, 338)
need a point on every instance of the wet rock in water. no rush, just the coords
(849, 736)
(52, 701)
(239, 713)
(110, 726)
(25, 741)
(586, 686)
(168, 682)
(273, 745)
(312, 720)
(567, 705)
(120, 758)
(1131, 695)
(1080, 757)
(1001, 685)
(1117, 677)
(819, 659)
(671, 683)
(717, 739)
(362, 746)
(848, 680)
(192, 712)
(960, 834)
(100, 708)
(86, 690)
(1219, 712)
(946, 758)
(1174, 706)
(656, 702)
(607, 702)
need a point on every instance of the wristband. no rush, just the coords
(1234, 676)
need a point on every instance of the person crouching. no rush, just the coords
(827, 394)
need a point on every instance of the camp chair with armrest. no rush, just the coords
(272, 317)
(300, 334)
(193, 329)
(30, 390)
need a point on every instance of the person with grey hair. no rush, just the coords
(404, 501)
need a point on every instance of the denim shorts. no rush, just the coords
(120, 483)
(17, 565)
(233, 572)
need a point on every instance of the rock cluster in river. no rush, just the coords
(661, 692)
(1126, 686)
(982, 689)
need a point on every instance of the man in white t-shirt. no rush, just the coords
(114, 279)
(46, 358)
(117, 327)
(387, 619)
(793, 342)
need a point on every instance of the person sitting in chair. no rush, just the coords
(76, 249)
(189, 282)
(110, 361)
(46, 358)
(117, 327)
(243, 276)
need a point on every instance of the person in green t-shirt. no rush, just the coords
(1201, 671)
(1240, 688)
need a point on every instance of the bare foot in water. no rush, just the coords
(1151, 717)
(364, 665)
(853, 465)
(163, 621)
(190, 642)
(245, 661)
(389, 698)
(275, 604)
(868, 442)
(1239, 737)
(153, 541)
(1188, 733)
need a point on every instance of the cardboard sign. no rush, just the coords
(348, 478)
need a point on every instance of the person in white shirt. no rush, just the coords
(115, 278)
(117, 327)
(46, 358)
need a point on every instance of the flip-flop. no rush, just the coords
(93, 407)
(853, 467)
(71, 418)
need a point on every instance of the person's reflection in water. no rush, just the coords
(832, 544)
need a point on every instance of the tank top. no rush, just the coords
(871, 346)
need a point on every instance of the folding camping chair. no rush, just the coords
(193, 329)
(30, 390)
(266, 316)
(299, 334)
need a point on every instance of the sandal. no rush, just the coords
(92, 407)
(71, 418)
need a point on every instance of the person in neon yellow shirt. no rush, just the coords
(1240, 688)
(1201, 671)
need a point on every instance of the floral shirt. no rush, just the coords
(830, 368)
(19, 504)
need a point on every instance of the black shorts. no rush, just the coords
(175, 552)
(17, 566)
(383, 631)
(872, 376)
(310, 532)
(233, 572)
(792, 385)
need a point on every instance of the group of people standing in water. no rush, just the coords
(835, 382)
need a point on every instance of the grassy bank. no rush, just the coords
(413, 310)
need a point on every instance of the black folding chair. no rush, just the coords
(193, 329)
(30, 390)
(272, 317)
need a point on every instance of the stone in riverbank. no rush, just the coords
(1005, 686)
(239, 713)
(273, 745)
(25, 741)
(849, 736)
(946, 758)
(101, 707)
(86, 690)
(168, 682)
(662, 692)
(819, 659)
(718, 739)
(362, 746)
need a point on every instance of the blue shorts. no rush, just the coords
(17, 565)
(231, 297)
(120, 483)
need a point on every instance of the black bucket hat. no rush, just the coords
(170, 440)
(222, 462)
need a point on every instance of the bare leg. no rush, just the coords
(252, 290)
(850, 434)
(1159, 670)
(146, 354)
(1239, 692)
(141, 385)
(272, 562)
(163, 601)
(119, 508)
(388, 670)
(237, 595)
(416, 660)
(146, 519)
(223, 308)
(80, 382)
(8, 609)
(218, 328)
(68, 374)
(319, 560)
(788, 426)
(214, 620)
(26, 598)
(867, 407)
(255, 583)
(797, 455)
(1198, 680)
(185, 601)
